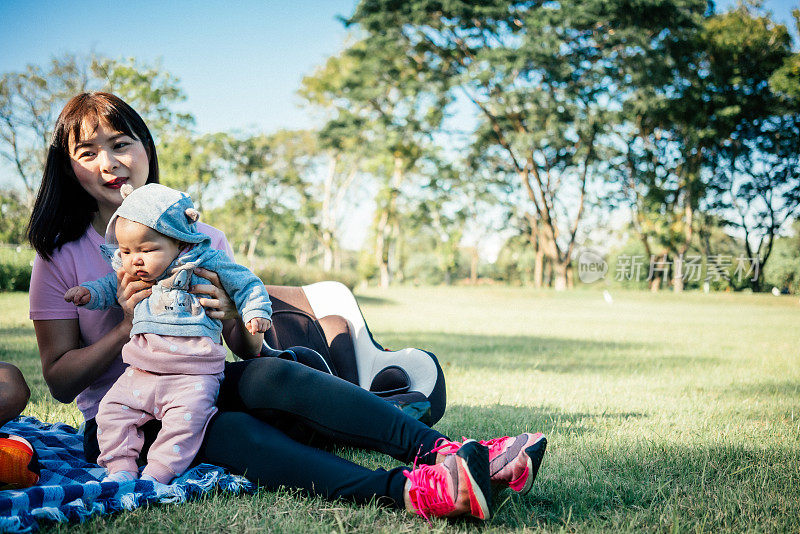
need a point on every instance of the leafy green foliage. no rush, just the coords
(783, 271)
(14, 214)
(283, 272)
(16, 264)
(31, 100)
(547, 80)
(383, 106)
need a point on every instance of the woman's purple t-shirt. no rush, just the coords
(73, 264)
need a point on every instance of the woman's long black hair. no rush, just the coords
(63, 209)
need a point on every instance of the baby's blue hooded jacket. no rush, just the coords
(171, 310)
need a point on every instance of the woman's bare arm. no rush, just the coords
(69, 368)
(239, 340)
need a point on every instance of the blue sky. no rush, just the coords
(239, 62)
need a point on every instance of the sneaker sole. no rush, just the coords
(475, 458)
(535, 454)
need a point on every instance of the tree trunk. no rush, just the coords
(560, 282)
(300, 259)
(385, 278)
(536, 240)
(251, 249)
(337, 260)
(327, 216)
(538, 269)
(327, 251)
(473, 266)
(386, 224)
(251, 245)
(548, 273)
(677, 274)
(688, 232)
(382, 250)
(396, 252)
(655, 282)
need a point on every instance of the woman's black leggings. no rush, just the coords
(277, 416)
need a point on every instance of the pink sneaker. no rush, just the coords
(457, 486)
(513, 461)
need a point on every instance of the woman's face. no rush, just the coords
(104, 159)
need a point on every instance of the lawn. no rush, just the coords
(662, 412)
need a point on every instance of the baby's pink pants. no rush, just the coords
(183, 403)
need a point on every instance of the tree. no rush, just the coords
(756, 160)
(343, 146)
(786, 79)
(192, 163)
(698, 125)
(545, 78)
(31, 100)
(268, 187)
(784, 271)
(388, 101)
(15, 216)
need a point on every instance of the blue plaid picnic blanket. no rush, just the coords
(69, 488)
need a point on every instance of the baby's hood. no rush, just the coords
(163, 209)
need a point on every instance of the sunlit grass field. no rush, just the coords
(662, 412)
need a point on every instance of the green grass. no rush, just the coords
(663, 412)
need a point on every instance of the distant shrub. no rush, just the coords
(16, 263)
(783, 269)
(282, 272)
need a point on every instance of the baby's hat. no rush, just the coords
(165, 210)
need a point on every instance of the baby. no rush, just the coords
(175, 356)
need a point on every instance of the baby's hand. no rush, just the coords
(78, 295)
(258, 324)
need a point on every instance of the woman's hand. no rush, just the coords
(218, 304)
(130, 292)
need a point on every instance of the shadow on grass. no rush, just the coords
(483, 422)
(7, 331)
(18, 345)
(787, 389)
(661, 486)
(374, 301)
(556, 355)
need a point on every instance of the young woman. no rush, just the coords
(270, 409)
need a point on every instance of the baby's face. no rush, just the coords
(145, 253)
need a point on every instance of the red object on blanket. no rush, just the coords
(19, 463)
